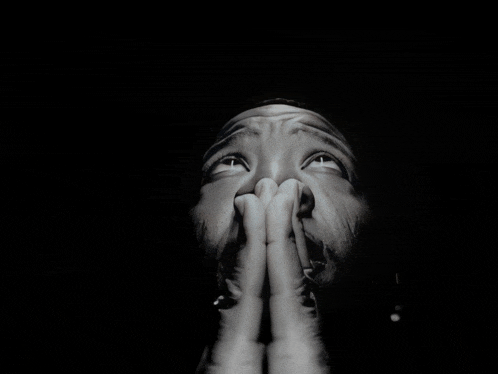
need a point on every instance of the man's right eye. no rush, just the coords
(230, 164)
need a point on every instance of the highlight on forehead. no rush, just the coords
(284, 112)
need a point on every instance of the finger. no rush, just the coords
(297, 225)
(253, 217)
(279, 212)
(297, 189)
(283, 262)
(265, 189)
(252, 257)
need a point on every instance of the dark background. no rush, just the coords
(100, 145)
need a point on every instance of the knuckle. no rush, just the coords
(265, 184)
(292, 185)
(244, 202)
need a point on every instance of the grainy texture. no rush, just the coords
(101, 140)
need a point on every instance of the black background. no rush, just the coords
(100, 144)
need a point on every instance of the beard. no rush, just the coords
(328, 263)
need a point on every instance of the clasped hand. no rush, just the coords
(275, 244)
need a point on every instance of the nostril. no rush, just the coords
(307, 203)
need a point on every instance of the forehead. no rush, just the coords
(279, 119)
(276, 116)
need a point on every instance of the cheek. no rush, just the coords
(338, 214)
(336, 207)
(215, 213)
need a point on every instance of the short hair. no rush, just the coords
(257, 102)
(279, 100)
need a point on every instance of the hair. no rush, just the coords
(257, 102)
(279, 100)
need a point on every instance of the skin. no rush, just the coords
(277, 186)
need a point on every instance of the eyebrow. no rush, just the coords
(325, 138)
(239, 131)
(229, 140)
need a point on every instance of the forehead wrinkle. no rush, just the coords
(230, 128)
(320, 123)
(261, 115)
(226, 141)
(277, 118)
(272, 110)
(252, 122)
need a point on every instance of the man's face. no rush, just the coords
(281, 142)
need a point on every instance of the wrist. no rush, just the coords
(297, 356)
(294, 318)
(237, 356)
(241, 322)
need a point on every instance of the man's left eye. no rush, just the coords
(324, 161)
(228, 164)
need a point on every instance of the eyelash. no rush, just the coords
(313, 155)
(222, 157)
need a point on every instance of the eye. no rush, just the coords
(232, 164)
(326, 163)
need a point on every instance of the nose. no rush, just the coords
(265, 189)
(270, 174)
(307, 203)
(269, 169)
(278, 168)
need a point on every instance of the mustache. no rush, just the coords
(324, 259)
(327, 262)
